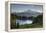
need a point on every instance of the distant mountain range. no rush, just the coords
(28, 13)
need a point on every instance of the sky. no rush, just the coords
(18, 8)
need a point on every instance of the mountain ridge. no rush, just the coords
(27, 13)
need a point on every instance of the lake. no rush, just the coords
(22, 22)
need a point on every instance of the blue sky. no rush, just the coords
(23, 7)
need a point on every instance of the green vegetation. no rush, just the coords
(30, 26)
(37, 22)
(38, 19)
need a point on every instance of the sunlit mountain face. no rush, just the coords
(28, 13)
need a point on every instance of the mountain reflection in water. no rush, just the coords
(22, 22)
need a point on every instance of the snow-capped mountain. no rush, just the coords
(28, 13)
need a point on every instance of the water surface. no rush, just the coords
(22, 22)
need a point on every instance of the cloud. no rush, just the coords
(36, 10)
